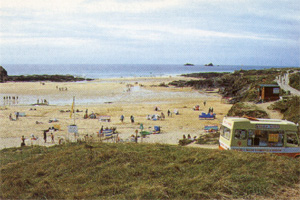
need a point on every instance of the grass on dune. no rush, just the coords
(140, 171)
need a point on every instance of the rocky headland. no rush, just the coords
(35, 78)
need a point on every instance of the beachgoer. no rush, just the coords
(132, 119)
(169, 113)
(10, 116)
(162, 116)
(195, 138)
(101, 130)
(122, 118)
(17, 116)
(23, 141)
(189, 137)
(136, 137)
(141, 126)
(204, 103)
(45, 136)
(184, 137)
(52, 137)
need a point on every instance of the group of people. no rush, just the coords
(43, 101)
(51, 134)
(12, 119)
(131, 118)
(10, 100)
(211, 110)
(176, 112)
(62, 88)
(189, 137)
(32, 137)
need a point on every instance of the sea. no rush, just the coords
(98, 71)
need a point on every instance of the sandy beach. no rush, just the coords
(105, 97)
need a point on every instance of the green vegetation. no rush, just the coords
(240, 85)
(290, 108)
(184, 142)
(295, 80)
(210, 138)
(250, 110)
(140, 171)
(45, 77)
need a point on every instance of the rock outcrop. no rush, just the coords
(3, 75)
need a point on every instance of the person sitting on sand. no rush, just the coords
(189, 137)
(184, 137)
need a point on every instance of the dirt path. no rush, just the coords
(272, 113)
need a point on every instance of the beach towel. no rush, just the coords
(21, 114)
(207, 116)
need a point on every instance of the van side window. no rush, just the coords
(292, 139)
(263, 138)
(225, 132)
(240, 134)
(250, 137)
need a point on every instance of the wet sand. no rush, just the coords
(106, 97)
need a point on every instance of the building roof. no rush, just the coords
(268, 85)
(260, 121)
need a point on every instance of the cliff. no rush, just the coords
(3, 75)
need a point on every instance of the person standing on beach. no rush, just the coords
(132, 119)
(204, 103)
(45, 136)
(17, 116)
(122, 118)
(169, 113)
(162, 116)
(52, 137)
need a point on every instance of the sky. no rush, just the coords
(224, 32)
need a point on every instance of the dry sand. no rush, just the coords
(139, 102)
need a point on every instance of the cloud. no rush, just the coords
(81, 6)
(158, 24)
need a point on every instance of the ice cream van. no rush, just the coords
(260, 136)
